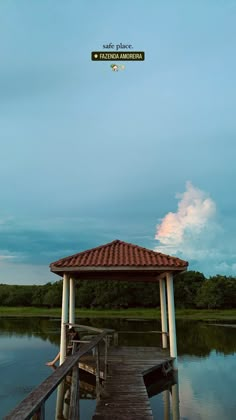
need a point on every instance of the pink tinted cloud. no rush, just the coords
(195, 211)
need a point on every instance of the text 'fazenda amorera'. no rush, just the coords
(118, 56)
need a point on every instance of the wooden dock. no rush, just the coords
(124, 395)
(121, 373)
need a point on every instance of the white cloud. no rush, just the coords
(194, 234)
(195, 210)
(195, 406)
(6, 257)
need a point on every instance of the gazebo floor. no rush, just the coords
(124, 394)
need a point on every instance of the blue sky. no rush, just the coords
(89, 155)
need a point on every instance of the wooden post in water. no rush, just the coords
(164, 327)
(166, 401)
(175, 401)
(66, 401)
(74, 412)
(171, 318)
(60, 401)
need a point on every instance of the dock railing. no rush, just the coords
(33, 406)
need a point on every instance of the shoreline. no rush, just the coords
(207, 315)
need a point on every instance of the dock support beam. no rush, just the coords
(60, 401)
(166, 402)
(64, 317)
(164, 328)
(171, 318)
(72, 301)
(175, 401)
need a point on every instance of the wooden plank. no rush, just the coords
(124, 395)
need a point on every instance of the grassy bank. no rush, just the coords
(188, 314)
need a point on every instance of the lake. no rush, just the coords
(206, 364)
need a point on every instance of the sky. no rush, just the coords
(89, 155)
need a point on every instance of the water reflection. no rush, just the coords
(87, 391)
(194, 338)
(165, 388)
(175, 401)
(207, 364)
(207, 387)
(166, 403)
(155, 383)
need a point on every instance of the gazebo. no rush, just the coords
(118, 260)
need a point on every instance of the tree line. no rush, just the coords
(199, 338)
(192, 290)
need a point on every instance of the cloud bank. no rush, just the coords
(195, 212)
(194, 233)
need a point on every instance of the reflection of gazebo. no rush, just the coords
(119, 260)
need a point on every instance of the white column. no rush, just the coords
(60, 401)
(66, 405)
(166, 401)
(72, 301)
(171, 317)
(175, 402)
(64, 317)
(164, 327)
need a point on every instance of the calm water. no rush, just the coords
(207, 365)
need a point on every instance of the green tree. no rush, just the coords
(218, 292)
(186, 287)
(52, 297)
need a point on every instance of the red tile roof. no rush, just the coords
(119, 254)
